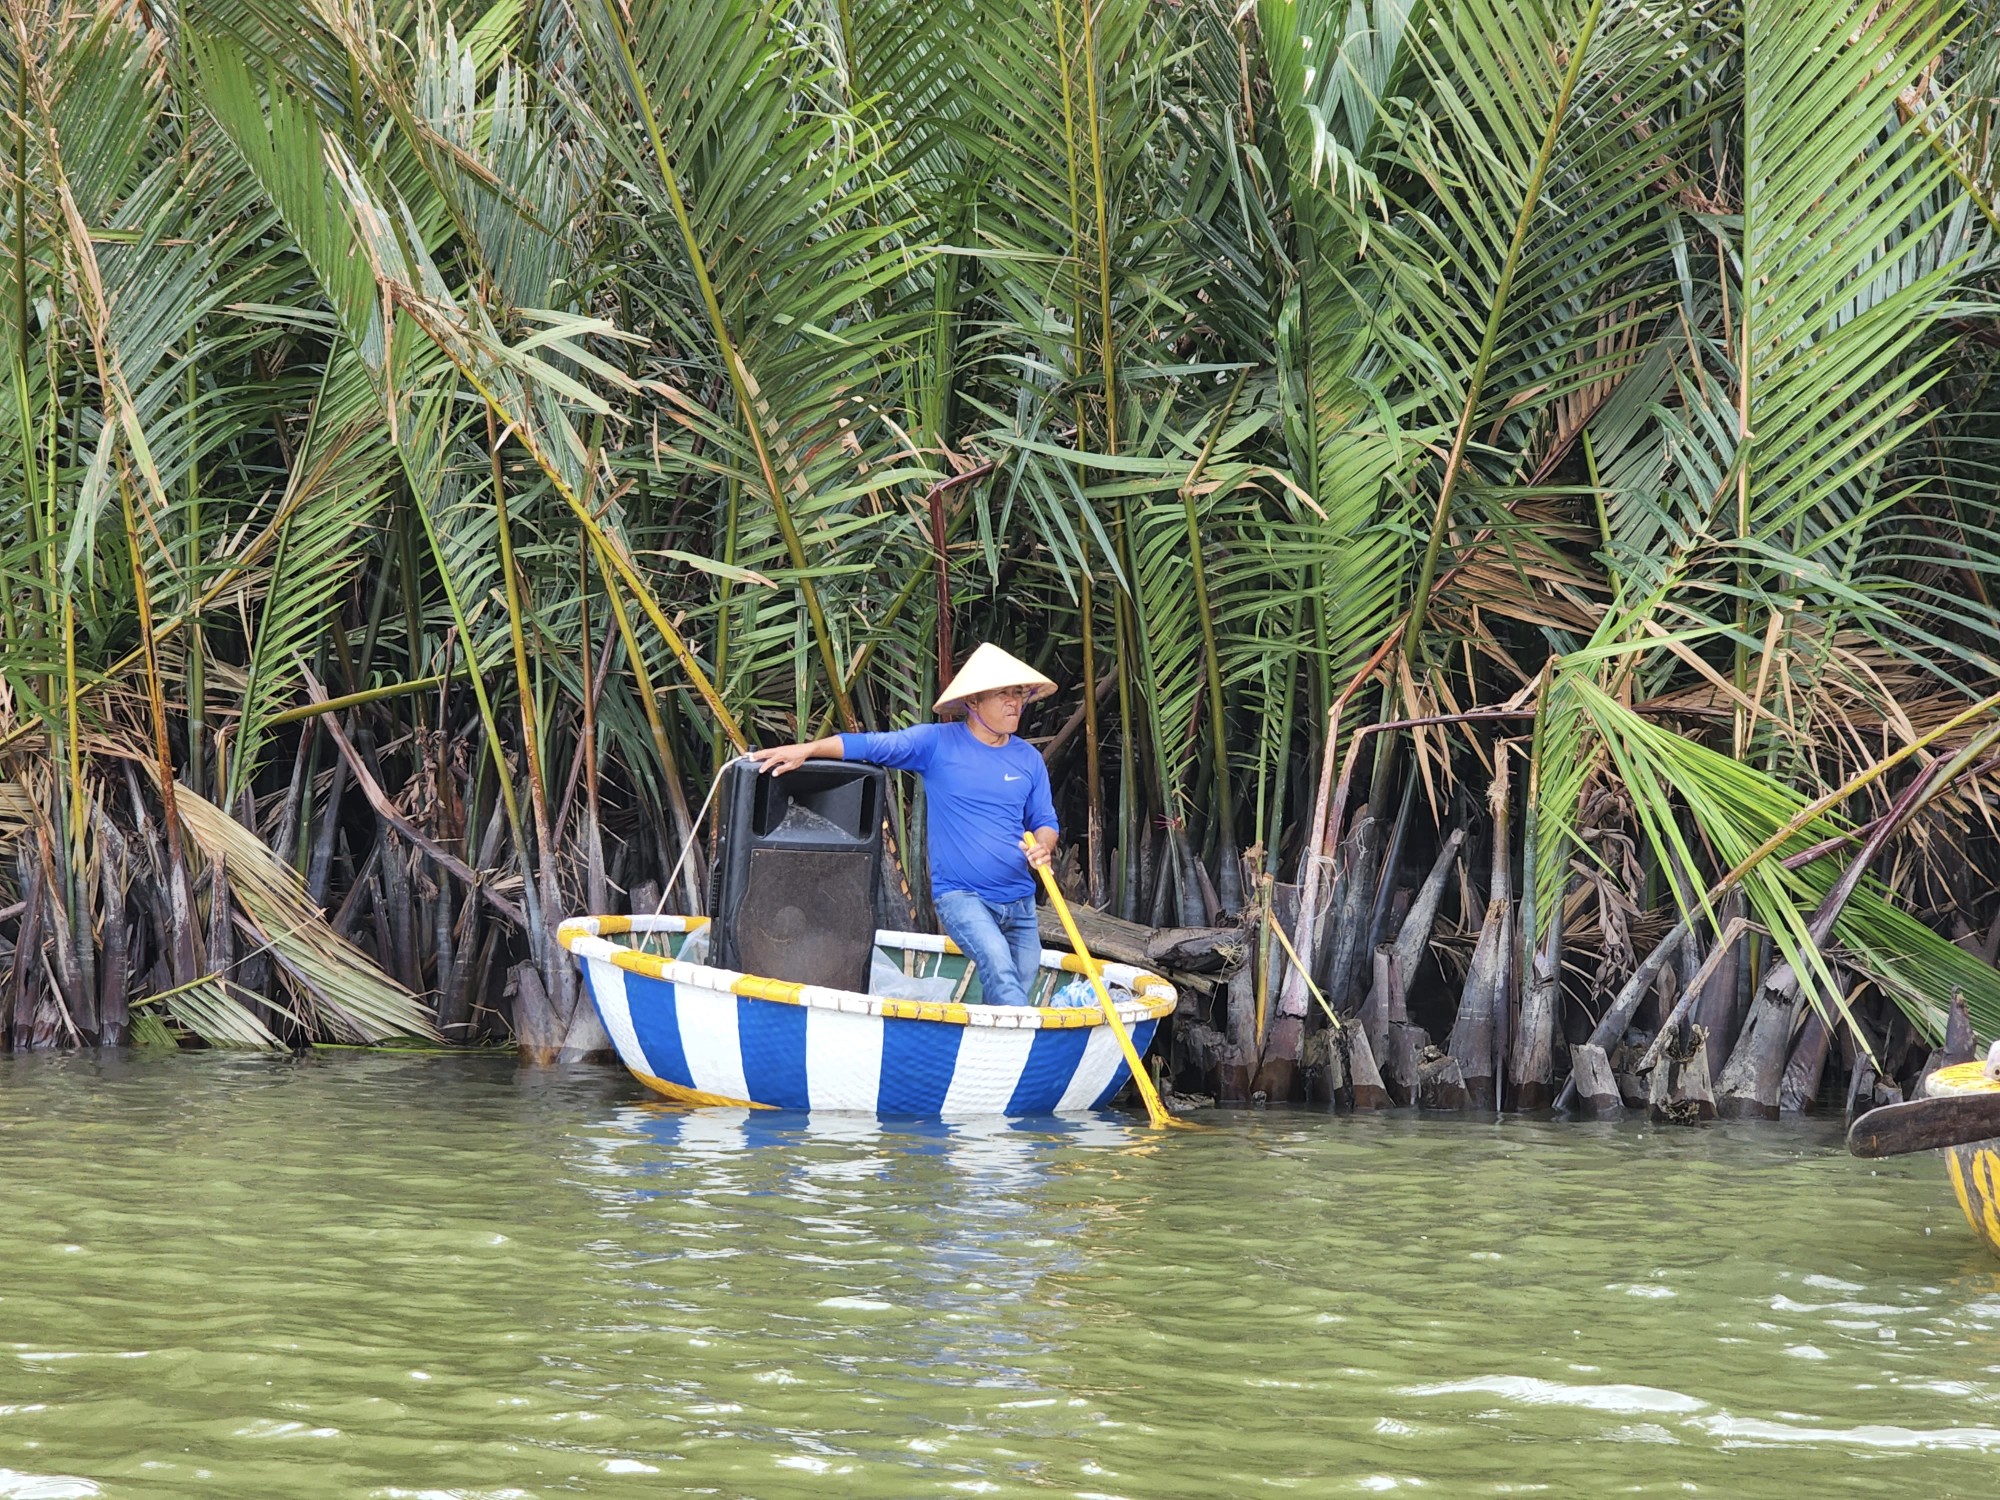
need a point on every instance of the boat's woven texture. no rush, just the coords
(709, 1036)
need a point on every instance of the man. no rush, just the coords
(983, 787)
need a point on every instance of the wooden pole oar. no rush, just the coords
(1925, 1125)
(1155, 1110)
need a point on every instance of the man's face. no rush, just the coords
(1000, 710)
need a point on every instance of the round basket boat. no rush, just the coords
(1975, 1165)
(920, 1044)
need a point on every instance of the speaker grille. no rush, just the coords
(808, 915)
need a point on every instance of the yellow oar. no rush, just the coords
(1155, 1110)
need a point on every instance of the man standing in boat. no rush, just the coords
(983, 787)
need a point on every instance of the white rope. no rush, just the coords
(688, 847)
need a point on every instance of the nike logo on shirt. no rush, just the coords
(1005, 777)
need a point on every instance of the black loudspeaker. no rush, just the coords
(798, 865)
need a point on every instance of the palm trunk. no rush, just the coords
(1535, 1047)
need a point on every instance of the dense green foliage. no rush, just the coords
(583, 390)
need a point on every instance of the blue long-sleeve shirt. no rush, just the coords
(979, 799)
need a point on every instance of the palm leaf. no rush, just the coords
(775, 214)
(209, 1010)
(344, 994)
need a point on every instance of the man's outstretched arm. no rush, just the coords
(782, 758)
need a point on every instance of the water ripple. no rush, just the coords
(407, 1277)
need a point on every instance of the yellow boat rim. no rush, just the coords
(591, 937)
(1961, 1079)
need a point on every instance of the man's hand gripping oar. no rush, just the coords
(1156, 1111)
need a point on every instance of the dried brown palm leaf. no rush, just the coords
(351, 998)
(17, 812)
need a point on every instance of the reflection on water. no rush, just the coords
(397, 1276)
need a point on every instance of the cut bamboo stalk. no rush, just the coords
(1755, 1071)
(1414, 937)
(1353, 912)
(1959, 1045)
(221, 924)
(1697, 1089)
(1476, 1035)
(1364, 1077)
(1471, 1039)
(1441, 1083)
(402, 960)
(1232, 1082)
(1618, 1015)
(538, 1030)
(1534, 1062)
(1692, 992)
(1799, 1086)
(16, 1008)
(115, 974)
(1374, 1012)
(1679, 1093)
(1276, 1073)
(1404, 1043)
(1591, 1082)
(444, 951)
(1716, 1009)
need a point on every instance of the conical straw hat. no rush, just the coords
(986, 669)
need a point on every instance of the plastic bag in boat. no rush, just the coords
(886, 978)
(1081, 994)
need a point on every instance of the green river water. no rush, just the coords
(383, 1276)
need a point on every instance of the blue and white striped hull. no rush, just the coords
(711, 1036)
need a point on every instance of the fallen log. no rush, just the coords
(1204, 951)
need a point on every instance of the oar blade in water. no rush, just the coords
(1925, 1125)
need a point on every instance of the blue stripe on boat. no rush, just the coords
(918, 1059)
(773, 1038)
(1142, 1038)
(656, 1023)
(1051, 1063)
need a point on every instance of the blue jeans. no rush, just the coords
(999, 937)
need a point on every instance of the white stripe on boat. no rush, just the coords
(1101, 1057)
(709, 1040)
(987, 1074)
(607, 986)
(843, 1059)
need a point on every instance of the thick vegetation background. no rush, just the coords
(436, 437)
